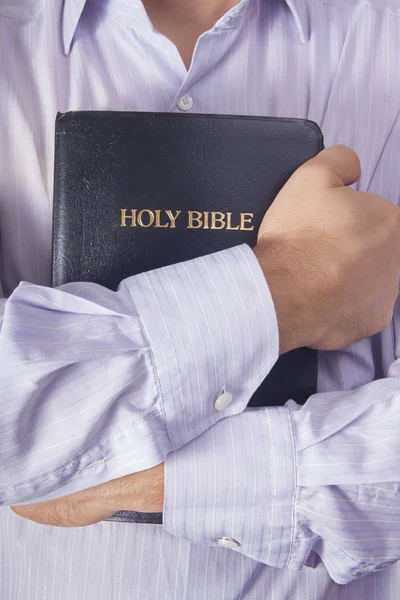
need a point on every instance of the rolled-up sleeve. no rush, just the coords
(96, 384)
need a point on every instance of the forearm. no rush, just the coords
(97, 384)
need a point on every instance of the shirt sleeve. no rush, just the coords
(97, 384)
(297, 486)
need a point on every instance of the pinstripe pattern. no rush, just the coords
(89, 388)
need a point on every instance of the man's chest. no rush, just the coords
(260, 68)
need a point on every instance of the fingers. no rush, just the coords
(335, 166)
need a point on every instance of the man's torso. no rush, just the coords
(331, 62)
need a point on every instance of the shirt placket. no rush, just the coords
(210, 48)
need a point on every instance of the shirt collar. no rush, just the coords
(299, 11)
(73, 9)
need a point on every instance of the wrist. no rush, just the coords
(278, 277)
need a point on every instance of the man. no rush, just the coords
(97, 386)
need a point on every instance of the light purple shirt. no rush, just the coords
(96, 384)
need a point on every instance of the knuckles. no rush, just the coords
(316, 173)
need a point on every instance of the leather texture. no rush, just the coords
(106, 161)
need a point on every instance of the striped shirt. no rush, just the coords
(96, 384)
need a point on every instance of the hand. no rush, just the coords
(143, 492)
(330, 255)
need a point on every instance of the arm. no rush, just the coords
(312, 485)
(96, 384)
(297, 486)
(186, 335)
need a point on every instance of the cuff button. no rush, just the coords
(223, 401)
(227, 542)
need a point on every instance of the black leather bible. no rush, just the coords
(137, 191)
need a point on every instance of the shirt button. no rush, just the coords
(223, 401)
(226, 542)
(185, 103)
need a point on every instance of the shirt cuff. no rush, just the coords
(234, 486)
(212, 328)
